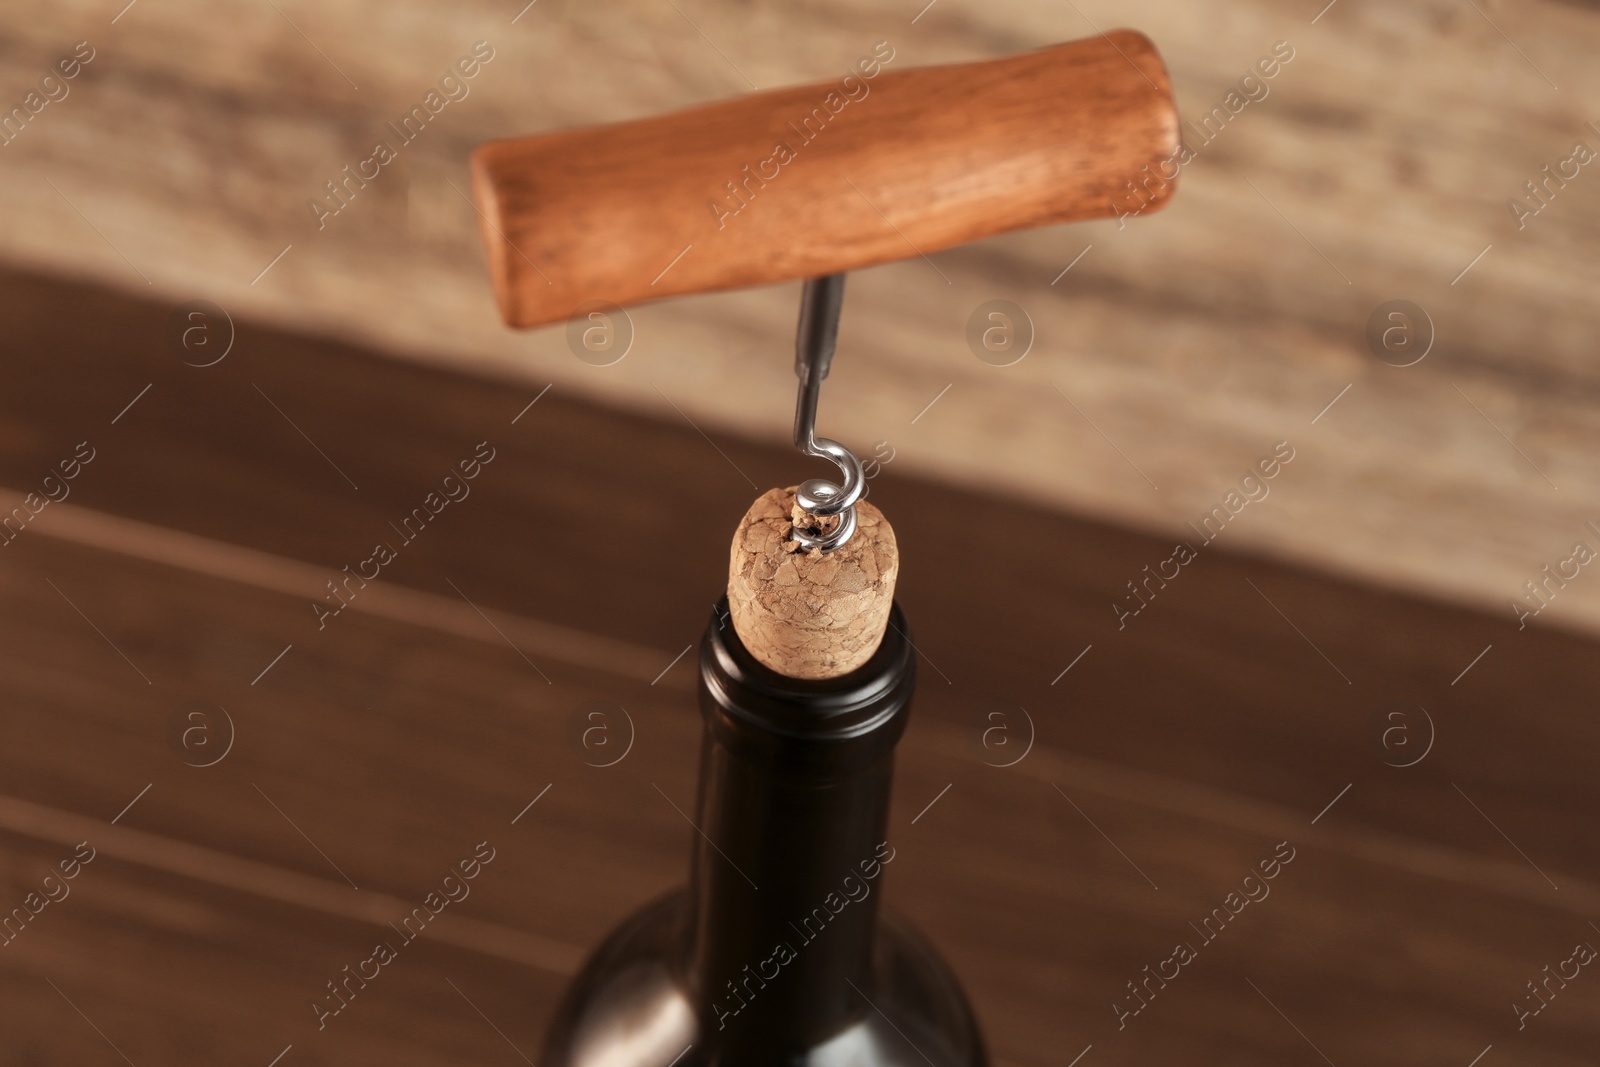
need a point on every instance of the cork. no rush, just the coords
(806, 613)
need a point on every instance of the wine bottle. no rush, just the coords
(778, 952)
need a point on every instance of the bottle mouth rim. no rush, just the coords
(812, 709)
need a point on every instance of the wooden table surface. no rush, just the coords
(1246, 706)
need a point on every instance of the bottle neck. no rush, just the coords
(787, 871)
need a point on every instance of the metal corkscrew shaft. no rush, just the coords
(815, 339)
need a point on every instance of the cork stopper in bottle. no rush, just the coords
(806, 613)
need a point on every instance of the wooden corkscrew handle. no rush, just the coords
(878, 165)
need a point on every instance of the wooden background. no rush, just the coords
(1246, 706)
(1378, 168)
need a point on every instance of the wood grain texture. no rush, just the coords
(1181, 749)
(878, 165)
(1189, 342)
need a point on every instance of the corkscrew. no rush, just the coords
(805, 698)
(814, 343)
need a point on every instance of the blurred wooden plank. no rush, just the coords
(247, 566)
(168, 971)
(231, 872)
(332, 742)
